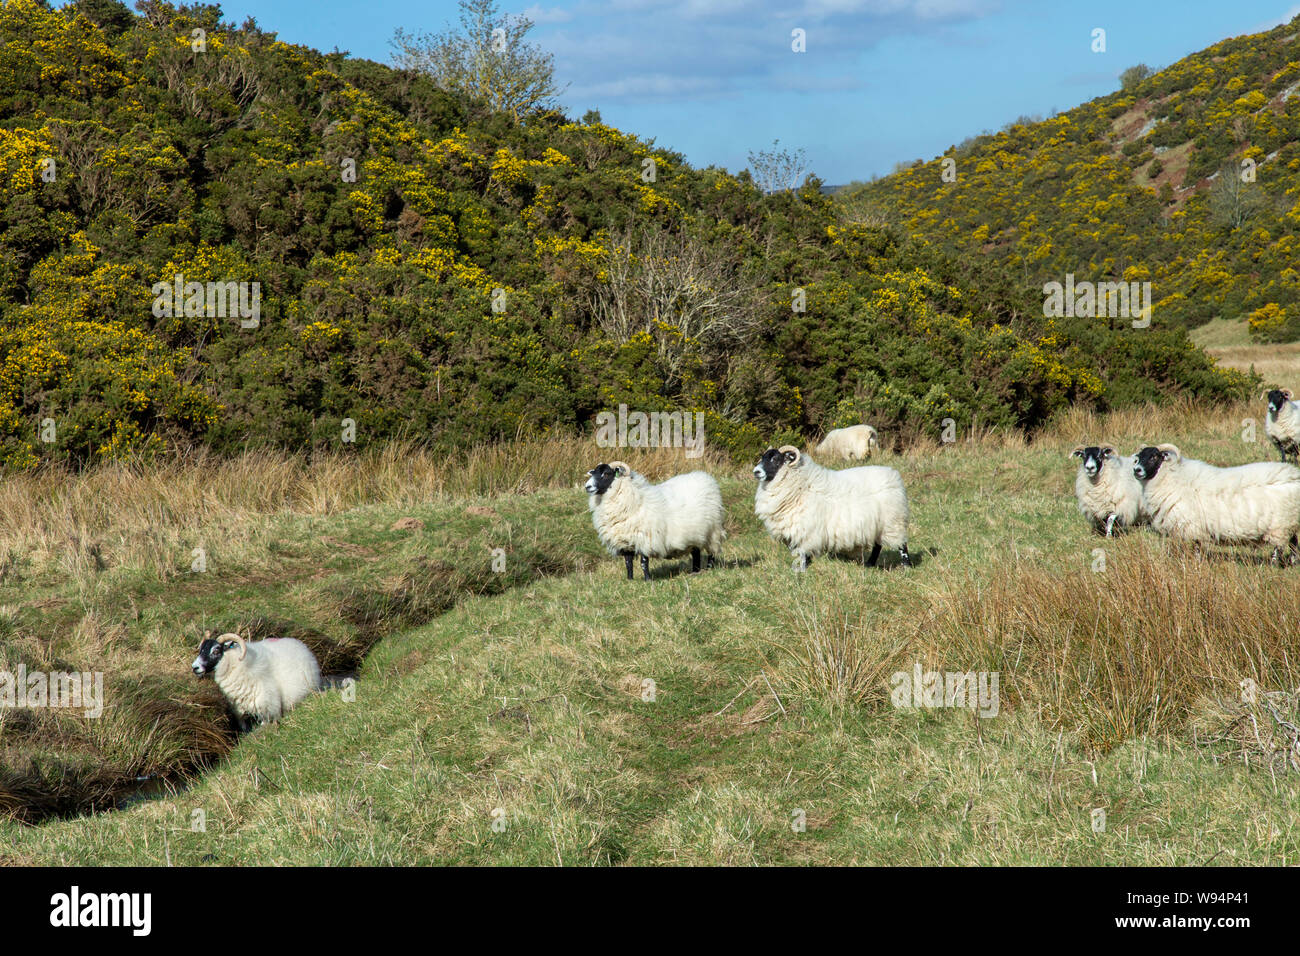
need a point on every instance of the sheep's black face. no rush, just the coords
(771, 462)
(210, 652)
(1276, 399)
(1093, 458)
(599, 479)
(1149, 461)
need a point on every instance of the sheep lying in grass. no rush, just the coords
(1106, 489)
(265, 680)
(633, 516)
(1282, 424)
(814, 510)
(1202, 503)
(853, 443)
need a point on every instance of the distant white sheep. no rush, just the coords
(633, 516)
(1282, 424)
(814, 510)
(1106, 489)
(855, 443)
(1203, 503)
(265, 680)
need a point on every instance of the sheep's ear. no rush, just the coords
(1286, 392)
(1077, 453)
(1108, 451)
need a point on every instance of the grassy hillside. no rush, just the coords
(430, 270)
(1189, 179)
(1119, 683)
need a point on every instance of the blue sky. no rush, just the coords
(881, 80)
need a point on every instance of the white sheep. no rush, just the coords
(1195, 501)
(633, 516)
(854, 442)
(814, 510)
(1106, 489)
(1282, 423)
(265, 680)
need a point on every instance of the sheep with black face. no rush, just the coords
(1257, 503)
(635, 517)
(814, 510)
(262, 680)
(1282, 423)
(1107, 493)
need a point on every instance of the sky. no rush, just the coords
(880, 81)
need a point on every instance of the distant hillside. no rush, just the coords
(1190, 179)
(420, 266)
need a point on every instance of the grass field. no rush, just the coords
(1229, 341)
(507, 716)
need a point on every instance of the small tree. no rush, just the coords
(776, 170)
(1133, 76)
(486, 60)
(1234, 201)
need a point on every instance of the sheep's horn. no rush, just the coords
(616, 465)
(243, 644)
(790, 448)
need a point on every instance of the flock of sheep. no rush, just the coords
(811, 509)
(1195, 501)
(855, 511)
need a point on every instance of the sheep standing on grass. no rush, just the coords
(1282, 424)
(814, 510)
(633, 516)
(1106, 489)
(1202, 503)
(264, 680)
(856, 442)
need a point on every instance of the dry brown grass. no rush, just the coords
(1277, 364)
(1142, 648)
(144, 515)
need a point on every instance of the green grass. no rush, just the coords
(770, 693)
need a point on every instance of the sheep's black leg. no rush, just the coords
(695, 560)
(1110, 526)
(875, 555)
(904, 556)
(645, 567)
(627, 557)
(709, 563)
(1294, 549)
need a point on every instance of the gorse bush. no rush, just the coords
(430, 268)
(1218, 235)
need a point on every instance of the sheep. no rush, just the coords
(1199, 502)
(1108, 494)
(854, 442)
(812, 509)
(1282, 424)
(267, 679)
(633, 516)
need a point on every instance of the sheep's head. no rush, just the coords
(602, 476)
(1150, 458)
(1277, 398)
(1093, 457)
(213, 649)
(774, 459)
